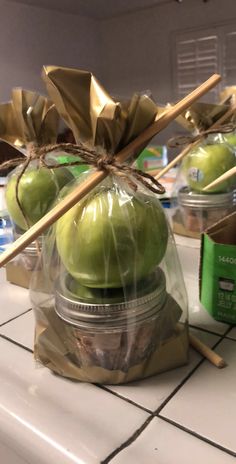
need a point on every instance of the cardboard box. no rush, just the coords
(218, 269)
(17, 274)
(152, 157)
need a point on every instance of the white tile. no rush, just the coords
(189, 255)
(21, 329)
(187, 242)
(13, 299)
(163, 443)
(206, 403)
(198, 316)
(48, 419)
(150, 393)
(232, 333)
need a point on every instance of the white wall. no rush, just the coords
(137, 46)
(31, 37)
(127, 53)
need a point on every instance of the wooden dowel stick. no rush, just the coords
(230, 173)
(95, 178)
(187, 149)
(176, 160)
(209, 354)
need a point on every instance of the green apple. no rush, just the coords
(230, 138)
(38, 189)
(72, 289)
(112, 239)
(206, 163)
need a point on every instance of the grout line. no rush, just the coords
(107, 389)
(177, 388)
(227, 331)
(229, 338)
(191, 326)
(128, 442)
(180, 385)
(16, 317)
(16, 343)
(197, 435)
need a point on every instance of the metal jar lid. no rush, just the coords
(120, 311)
(187, 197)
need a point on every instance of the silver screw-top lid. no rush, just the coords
(114, 308)
(187, 197)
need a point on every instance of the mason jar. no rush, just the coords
(29, 256)
(197, 211)
(110, 328)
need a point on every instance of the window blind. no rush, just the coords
(229, 58)
(197, 59)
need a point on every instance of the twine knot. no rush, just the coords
(180, 140)
(104, 162)
(32, 151)
(82, 155)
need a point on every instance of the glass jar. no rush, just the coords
(196, 212)
(28, 258)
(19, 271)
(116, 308)
(112, 330)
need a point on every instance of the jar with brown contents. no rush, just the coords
(198, 211)
(113, 330)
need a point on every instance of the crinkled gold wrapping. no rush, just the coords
(228, 94)
(97, 119)
(201, 116)
(51, 350)
(28, 117)
(9, 131)
(92, 114)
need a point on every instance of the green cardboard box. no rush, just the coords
(218, 269)
(152, 157)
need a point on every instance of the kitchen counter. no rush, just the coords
(183, 416)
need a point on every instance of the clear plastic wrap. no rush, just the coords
(37, 192)
(206, 162)
(109, 300)
(196, 209)
(230, 138)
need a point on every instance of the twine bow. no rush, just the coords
(92, 157)
(102, 161)
(180, 140)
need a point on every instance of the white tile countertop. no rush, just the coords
(183, 416)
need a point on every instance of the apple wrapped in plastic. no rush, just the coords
(231, 138)
(38, 189)
(112, 238)
(206, 163)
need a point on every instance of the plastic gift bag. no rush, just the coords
(38, 189)
(197, 209)
(230, 138)
(29, 120)
(112, 307)
(207, 161)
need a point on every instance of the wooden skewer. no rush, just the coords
(186, 150)
(203, 349)
(95, 178)
(230, 173)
